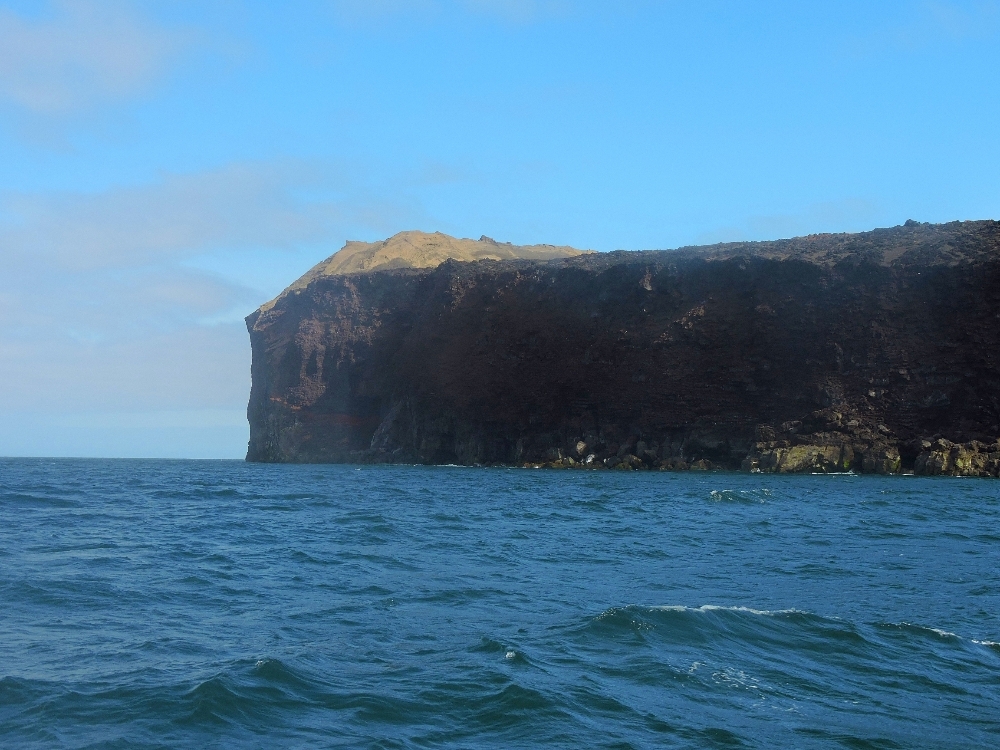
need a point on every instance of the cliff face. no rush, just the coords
(875, 352)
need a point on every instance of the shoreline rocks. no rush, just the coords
(944, 458)
(938, 458)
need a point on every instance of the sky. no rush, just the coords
(167, 166)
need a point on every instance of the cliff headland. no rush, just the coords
(874, 352)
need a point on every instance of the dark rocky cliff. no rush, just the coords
(876, 352)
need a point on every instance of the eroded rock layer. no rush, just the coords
(873, 352)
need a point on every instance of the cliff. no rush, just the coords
(875, 352)
(421, 250)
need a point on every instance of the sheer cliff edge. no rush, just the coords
(873, 352)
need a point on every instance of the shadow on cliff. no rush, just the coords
(862, 352)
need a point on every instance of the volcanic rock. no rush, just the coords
(873, 352)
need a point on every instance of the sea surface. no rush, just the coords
(221, 604)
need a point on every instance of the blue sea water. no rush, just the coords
(222, 604)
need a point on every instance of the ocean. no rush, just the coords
(223, 604)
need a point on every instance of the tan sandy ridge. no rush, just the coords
(422, 250)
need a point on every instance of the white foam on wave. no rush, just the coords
(736, 678)
(707, 608)
(944, 633)
(936, 631)
(720, 608)
(746, 496)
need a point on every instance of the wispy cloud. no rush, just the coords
(239, 205)
(188, 368)
(104, 308)
(79, 54)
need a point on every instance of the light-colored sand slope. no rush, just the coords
(427, 250)
(423, 250)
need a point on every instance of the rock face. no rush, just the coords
(973, 459)
(873, 352)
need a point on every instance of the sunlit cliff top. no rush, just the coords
(416, 249)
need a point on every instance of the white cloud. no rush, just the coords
(187, 368)
(240, 205)
(82, 53)
(178, 433)
(110, 305)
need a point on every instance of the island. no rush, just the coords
(874, 352)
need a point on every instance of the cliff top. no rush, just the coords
(912, 244)
(422, 250)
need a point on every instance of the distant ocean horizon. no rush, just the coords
(217, 603)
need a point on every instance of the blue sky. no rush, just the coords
(165, 167)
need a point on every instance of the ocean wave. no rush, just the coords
(383, 612)
(920, 630)
(237, 698)
(711, 626)
(40, 500)
(757, 495)
(795, 628)
(718, 608)
(784, 630)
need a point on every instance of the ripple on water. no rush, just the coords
(212, 603)
(750, 496)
